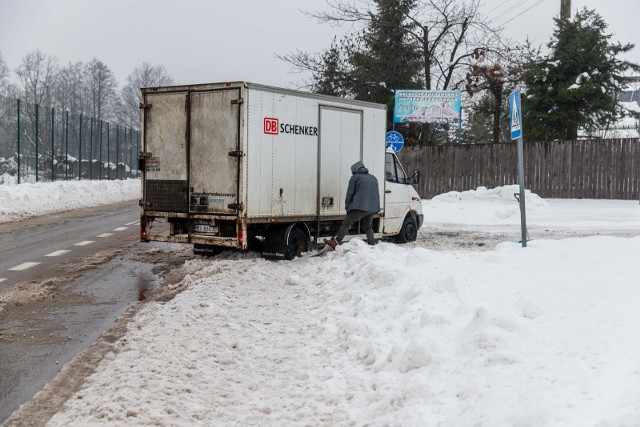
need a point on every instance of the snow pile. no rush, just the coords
(33, 199)
(498, 209)
(389, 335)
(482, 206)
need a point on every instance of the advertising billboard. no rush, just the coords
(427, 106)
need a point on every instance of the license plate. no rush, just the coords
(205, 228)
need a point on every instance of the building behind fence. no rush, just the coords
(43, 144)
(593, 169)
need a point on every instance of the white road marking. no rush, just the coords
(2, 279)
(105, 235)
(58, 253)
(120, 228)
(133, 223)
(24, 266)
(85, 243)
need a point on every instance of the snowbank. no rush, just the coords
(498, 208)
(28, 200)
(390, 335)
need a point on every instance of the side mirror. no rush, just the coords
(415, 178)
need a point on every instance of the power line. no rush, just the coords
(498, 6)
(510, 9)
(523, 12)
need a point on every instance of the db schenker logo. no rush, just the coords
(271, 126)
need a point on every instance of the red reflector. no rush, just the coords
(143, 234)
(227, 84)
(150, 218)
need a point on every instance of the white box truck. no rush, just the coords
(247, 166)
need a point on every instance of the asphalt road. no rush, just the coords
(64, 280)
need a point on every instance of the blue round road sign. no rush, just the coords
(395, 141)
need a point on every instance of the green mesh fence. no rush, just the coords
(45, 144)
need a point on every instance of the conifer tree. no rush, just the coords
(575, 86)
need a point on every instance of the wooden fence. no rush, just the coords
(590, 169)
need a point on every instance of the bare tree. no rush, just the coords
(4, 76)
(101, 86)
(492, 76)
(144, 75)
(444, 32)
(70, 89)
(37, 74)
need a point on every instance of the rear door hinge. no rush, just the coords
(144, 154)
(236, 206)
(237, 101)
(144, 106)
(236, 153)
(144, 204)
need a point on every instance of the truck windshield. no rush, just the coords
(393, 170)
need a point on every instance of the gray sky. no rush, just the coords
(220, 40)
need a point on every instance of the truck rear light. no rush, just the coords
(240, 237)
(143, 235)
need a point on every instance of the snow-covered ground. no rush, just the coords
(547, 335)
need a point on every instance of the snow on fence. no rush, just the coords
(589, 169)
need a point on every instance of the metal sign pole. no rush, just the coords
(515, 117)
(523, 214)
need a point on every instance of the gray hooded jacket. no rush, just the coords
(362, 193)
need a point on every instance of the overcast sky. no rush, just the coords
(219, 40)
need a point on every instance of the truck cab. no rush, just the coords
(402, 205)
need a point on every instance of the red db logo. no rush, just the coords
(270, 126)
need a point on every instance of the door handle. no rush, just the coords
(387, 191)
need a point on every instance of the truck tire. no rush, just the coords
(409, 231)
(297, 243)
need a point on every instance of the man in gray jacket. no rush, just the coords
(362, 203)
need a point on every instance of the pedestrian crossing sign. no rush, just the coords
(515, 118)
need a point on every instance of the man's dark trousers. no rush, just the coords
(354, 216)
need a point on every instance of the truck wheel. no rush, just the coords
(409, 231)
(297, 243)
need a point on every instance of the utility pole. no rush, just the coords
(565, 9)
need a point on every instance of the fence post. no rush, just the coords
(117, 149)
(100, 151)
(91, 151)
(80, 151)
(66, 146)
(130, 152)
(108, 154)
(37, 136)
(53, 131)
(137, 151)
(18, 142)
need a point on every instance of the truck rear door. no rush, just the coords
(165, 148)
(214, 157)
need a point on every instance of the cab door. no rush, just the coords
(397, 195)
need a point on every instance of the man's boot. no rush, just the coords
(331, 242)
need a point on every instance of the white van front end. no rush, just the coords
(402, 205)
